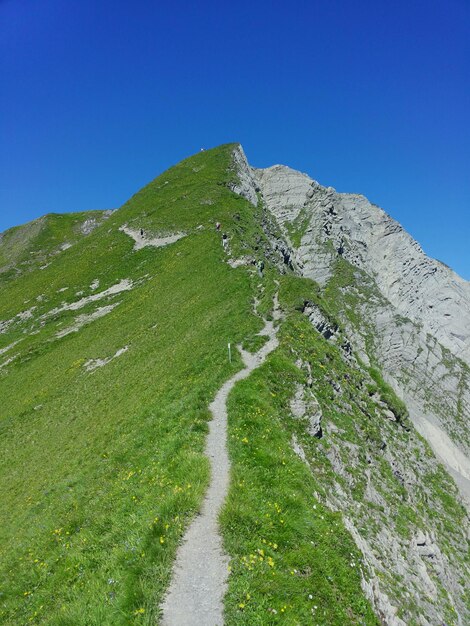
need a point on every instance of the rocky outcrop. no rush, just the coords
(304, 405)
(420, 288)
(244, 181)
(389, 489)
(89, 225)
(407, 315)
(410, 314)
(284, 190)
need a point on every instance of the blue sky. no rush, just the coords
(368, 96)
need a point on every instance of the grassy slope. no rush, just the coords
(276, 509)
(292, 560)
(428, 500)
(32, 244)
(102, 470)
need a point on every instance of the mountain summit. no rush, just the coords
(251, 346)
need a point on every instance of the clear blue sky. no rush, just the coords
(369, 96)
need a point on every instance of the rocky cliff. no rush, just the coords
(404, 311)
(331, 224)
(389, 308)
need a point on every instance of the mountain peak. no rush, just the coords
(240, 358)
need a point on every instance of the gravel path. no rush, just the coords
(195, 596)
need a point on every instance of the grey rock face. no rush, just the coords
(88, 226)
(304, 405)
(284, 190)
(245, 183)
(415, 311)
(433, 384)
(420, 288)
(409, 316)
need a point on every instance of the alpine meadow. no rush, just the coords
(309, 334)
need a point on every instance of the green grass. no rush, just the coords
(296, 229)
(28, 247)
(388, 396)
(102, 471)
(292, 560)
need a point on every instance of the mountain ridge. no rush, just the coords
(344, 225)
(111, 352)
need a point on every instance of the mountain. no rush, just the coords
(349, 442)
(31, 246)
(405, 312)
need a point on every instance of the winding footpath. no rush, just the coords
(195, 596)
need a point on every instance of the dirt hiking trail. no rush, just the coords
(195, 596)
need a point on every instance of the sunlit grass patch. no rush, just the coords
(292, 560)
